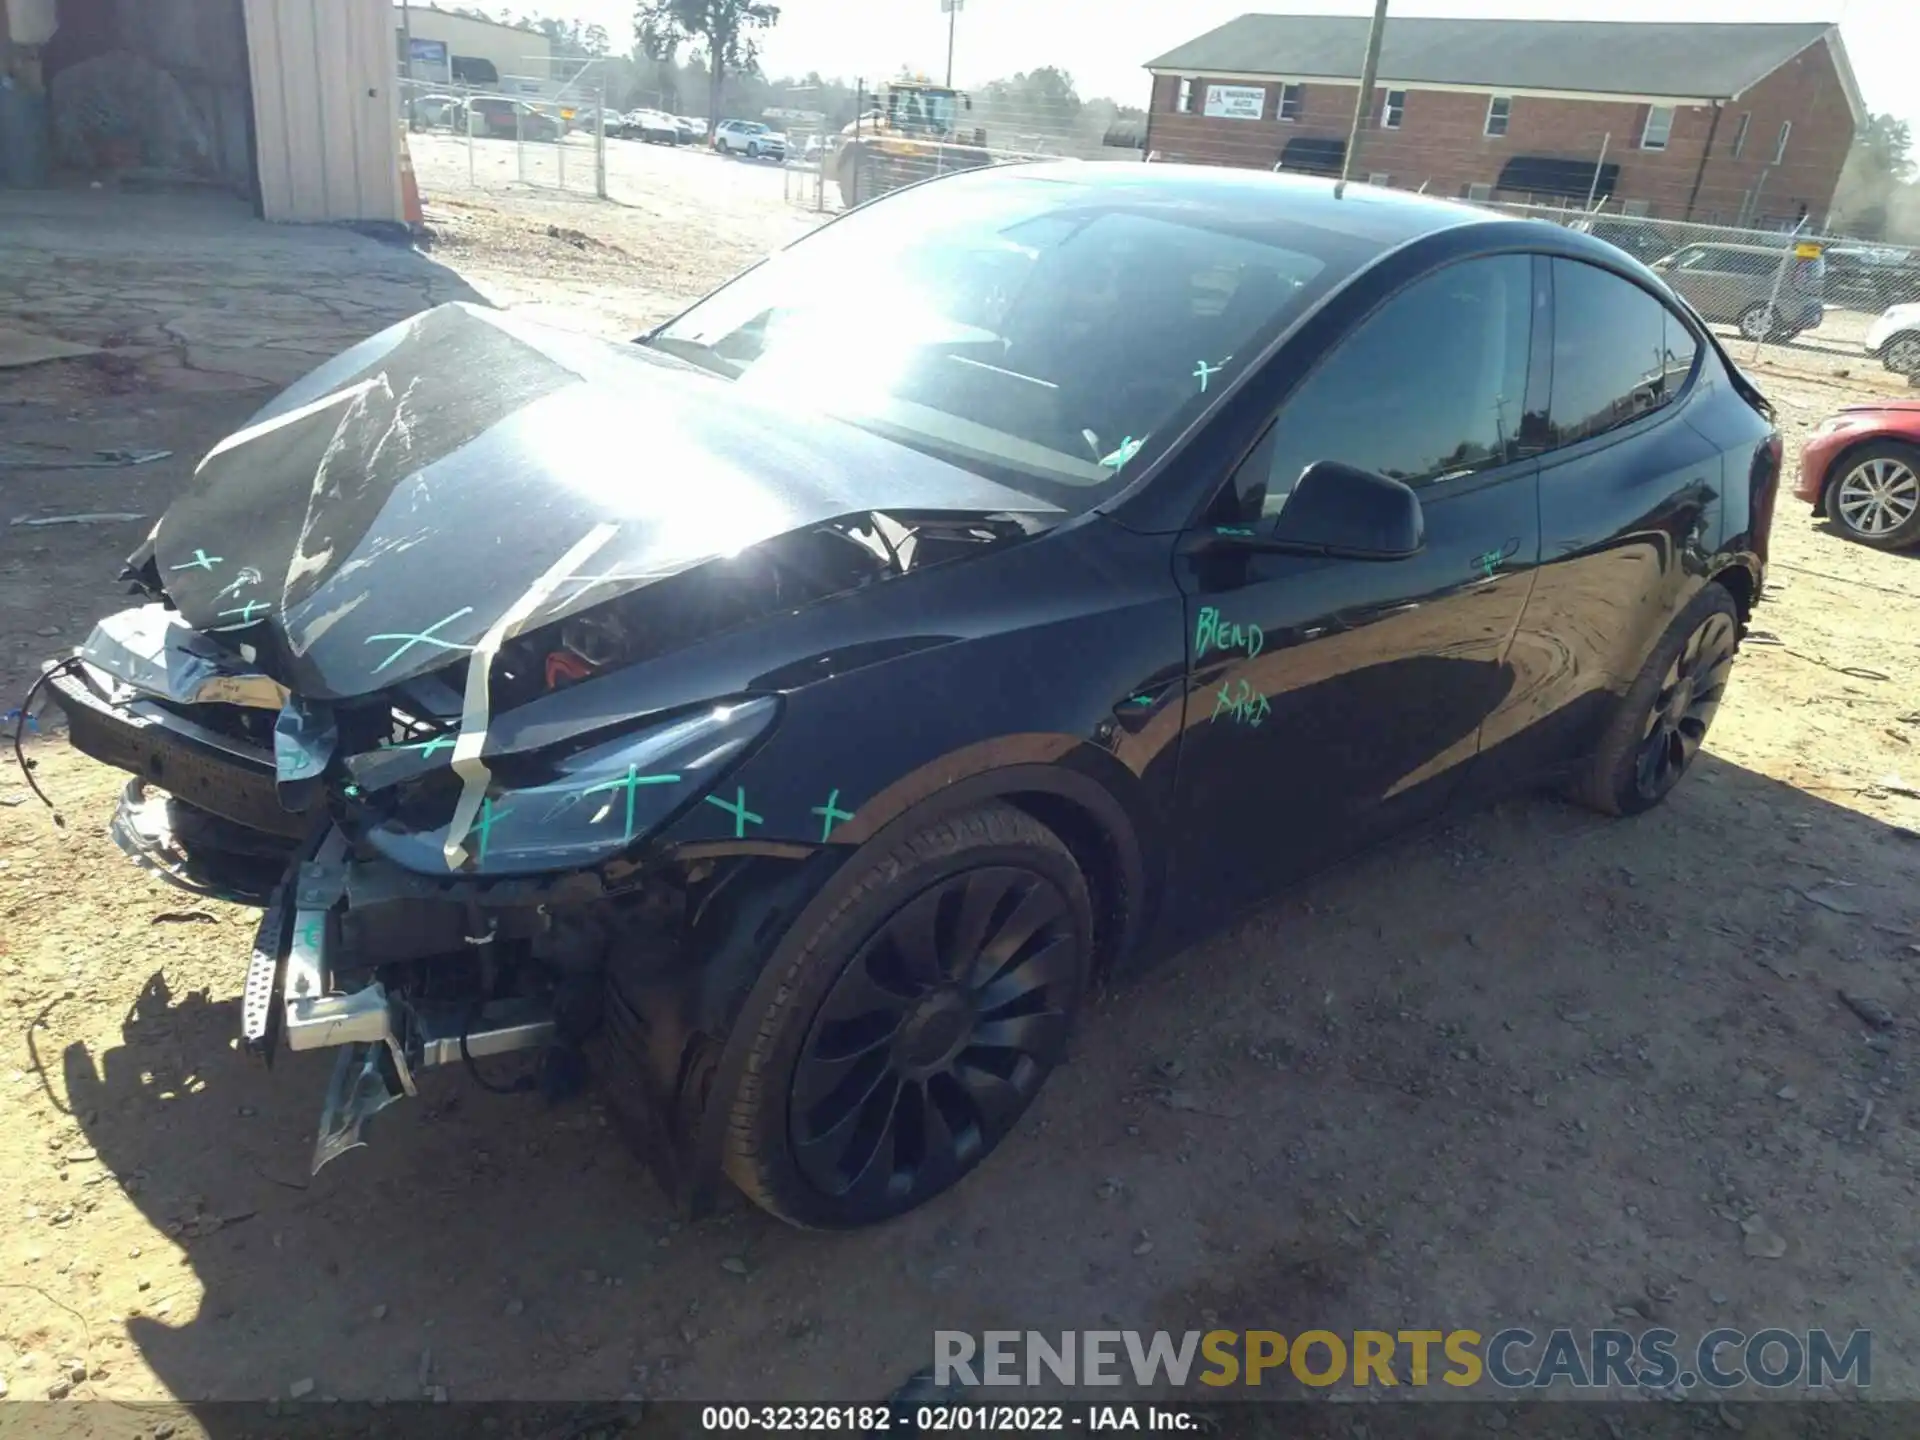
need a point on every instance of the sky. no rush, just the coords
(1104, 43)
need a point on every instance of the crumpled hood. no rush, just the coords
(383, 512)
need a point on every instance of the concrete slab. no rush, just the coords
(195, 292)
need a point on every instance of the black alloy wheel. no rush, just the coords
(935, 1036)
(1684, 707)
(1656, 729)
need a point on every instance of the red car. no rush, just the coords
(1862, 467)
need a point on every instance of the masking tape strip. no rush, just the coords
(467, 764)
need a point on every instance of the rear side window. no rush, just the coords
(1431, 385)
(1618, 353)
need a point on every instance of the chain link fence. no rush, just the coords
(465, 139)
(910, 130)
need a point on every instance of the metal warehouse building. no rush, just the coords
(290, 103)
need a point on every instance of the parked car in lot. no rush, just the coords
(1895, 340)
(1734, 285)
(804, 778)
(1861, 468)
(495, 117)
(751, 139)
(654, 127)
(691, 130)
(1871, 278)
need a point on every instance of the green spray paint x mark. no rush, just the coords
(742, 816)
(429, 748)
(313, 931)
(829, 813)
(483, 827)
(423, 637)
(201, 561)
(631, 782)
(247, 611)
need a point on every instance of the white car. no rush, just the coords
(751, 139)
(1895, 338)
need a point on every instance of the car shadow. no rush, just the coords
(507, 1250)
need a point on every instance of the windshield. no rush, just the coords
(1027, 326)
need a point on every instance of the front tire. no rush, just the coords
(1875, 499)
(913, 1026)
(1654, 736)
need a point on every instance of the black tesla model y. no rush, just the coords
(788, 717)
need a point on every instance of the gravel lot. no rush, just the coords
(1538, 1068)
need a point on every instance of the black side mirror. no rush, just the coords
(1354, 514)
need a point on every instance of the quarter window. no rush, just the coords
(1658, 129)
(1429, 386)
(1499, 110)
(1618, 353)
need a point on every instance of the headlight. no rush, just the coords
(563, 811)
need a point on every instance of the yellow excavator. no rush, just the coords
(913, 131)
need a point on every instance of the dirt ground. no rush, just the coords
(1537, 1068)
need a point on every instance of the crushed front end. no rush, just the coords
(238, 794)
(438, 675)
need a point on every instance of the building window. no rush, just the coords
(1184, 102)
(1659, 127)
(1633, 207)
(1378, 177)
(1393, 109)
(1780, 145)
(1292, 101)
(1499, 108)
(1740, 135)
(1479, 192)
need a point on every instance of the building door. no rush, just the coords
(326, 120)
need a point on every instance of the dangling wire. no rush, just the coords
(20, 733)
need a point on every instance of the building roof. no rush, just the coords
(1653, 58)
(522, 27)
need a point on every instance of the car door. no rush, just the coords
(1629, 512)
(1333, 700)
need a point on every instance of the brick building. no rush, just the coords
(1725, 123)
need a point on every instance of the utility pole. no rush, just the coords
(1364, 101)
(952, 7)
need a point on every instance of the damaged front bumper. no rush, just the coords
(398, 970)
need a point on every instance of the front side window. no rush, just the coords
(1053, 333)
(1429, 387)
(1499, 110)
(1618, 353)
(1658, 129)
(1393, 110)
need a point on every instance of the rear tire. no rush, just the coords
(1652, 740)
(913, 1026)
(1873, 495)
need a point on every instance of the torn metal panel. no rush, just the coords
(391, 519)
(153, 650)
